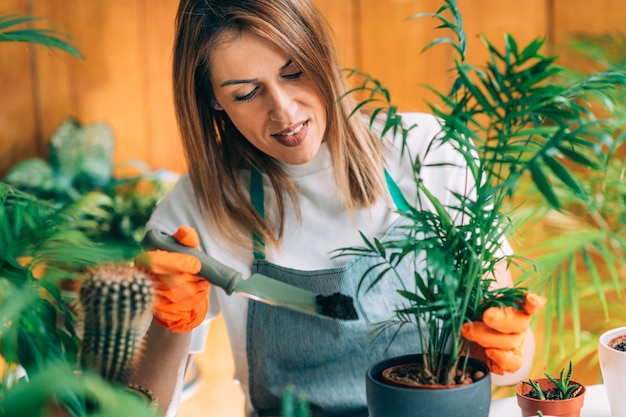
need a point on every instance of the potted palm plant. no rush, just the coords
(510, 120)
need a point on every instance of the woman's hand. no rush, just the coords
(502, 333)
(181, 296)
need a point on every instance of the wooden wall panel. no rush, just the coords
(108, 84)
(125, 79)
(572, 17)
(163, 145)
(391, 45)
(342, 17)
(524, 20)
(17, 117)
(390, 48)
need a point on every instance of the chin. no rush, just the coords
(299, 158)
(296, 161)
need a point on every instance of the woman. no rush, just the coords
(279, 178)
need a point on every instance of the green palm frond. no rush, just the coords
(531, 135)
(49, 38)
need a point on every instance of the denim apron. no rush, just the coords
(324, 359)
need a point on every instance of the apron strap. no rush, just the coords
(257, 198)
(258, 201)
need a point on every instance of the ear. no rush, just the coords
(217, 106)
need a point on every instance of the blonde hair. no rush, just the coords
(214, 163)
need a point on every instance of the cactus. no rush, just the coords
(116, 301)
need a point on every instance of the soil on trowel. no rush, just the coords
(337, 306)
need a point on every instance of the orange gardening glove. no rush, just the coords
(181, 297)
(501, 334)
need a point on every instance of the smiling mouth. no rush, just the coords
(293, 137)
(293, 132)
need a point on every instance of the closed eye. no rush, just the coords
(293, 76)
(248, 96)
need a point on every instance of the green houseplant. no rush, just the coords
(580, 247)
(30, 306)
(42, 243)
(551, 396)
(81, 162)
(16, 28)
(512, 120)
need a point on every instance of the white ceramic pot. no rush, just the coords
(613, 366)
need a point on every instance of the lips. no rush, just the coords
(294, 135)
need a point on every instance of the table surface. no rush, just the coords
(596, 404)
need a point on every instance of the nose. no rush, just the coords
(282, 106)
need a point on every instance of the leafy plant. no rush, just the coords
(12, 30)
(41, 246)
(512, 120)
(81, 162)
(44, 243)
(34, 236)
(565, 389)
(57, 390)
(580, 248)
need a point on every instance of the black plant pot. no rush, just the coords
(385, 400)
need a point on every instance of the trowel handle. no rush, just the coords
(213, 271)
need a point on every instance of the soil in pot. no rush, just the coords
(385, 399)
(618, 343)
(551, 394)
(530, 404)
(413, 375)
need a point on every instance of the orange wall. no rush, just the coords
(125, 78)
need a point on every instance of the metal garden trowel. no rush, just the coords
(258, 287)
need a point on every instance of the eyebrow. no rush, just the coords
(251, 80)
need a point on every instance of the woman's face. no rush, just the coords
(269, 99)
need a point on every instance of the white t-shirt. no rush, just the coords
(324, 226)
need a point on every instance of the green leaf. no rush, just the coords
(577, 157)
(46, 37)
(442, 213)
(543, 185)
(610, 262)
(565, 176)
(597, 281)
(571, 278)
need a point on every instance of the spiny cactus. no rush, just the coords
(116, 301)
